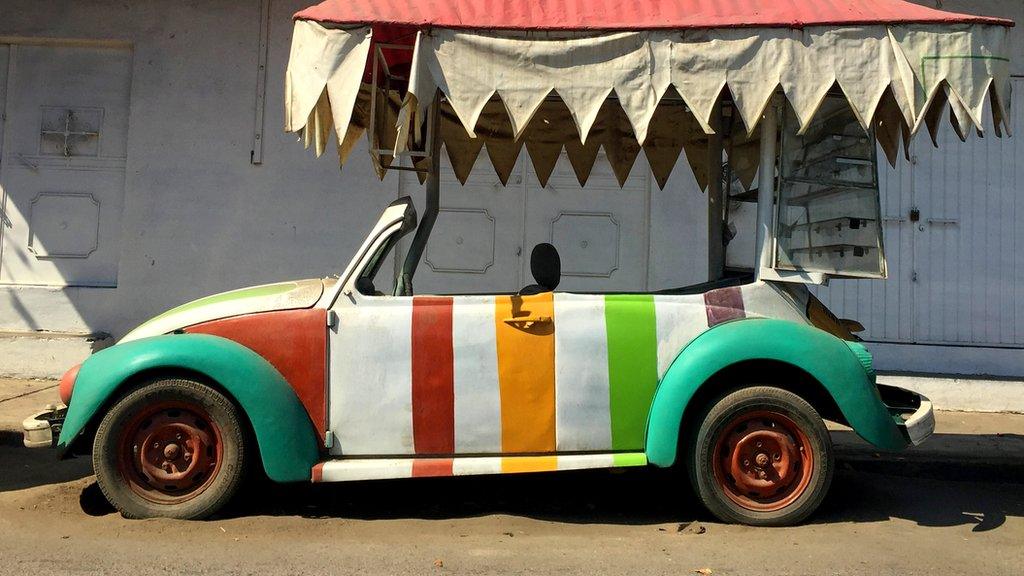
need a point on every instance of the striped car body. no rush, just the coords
(340, 385)
(442, 378)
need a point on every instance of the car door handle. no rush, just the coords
(528, 321)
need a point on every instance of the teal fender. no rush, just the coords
(287, 442)
(824, 357)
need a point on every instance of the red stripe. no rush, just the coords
(433, 376)
(724, 305)
(433, 467)
(318, 473)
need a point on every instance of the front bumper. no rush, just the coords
(912, 412)
(43, 428)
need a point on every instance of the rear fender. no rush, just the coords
(822, 356)
(287, 441)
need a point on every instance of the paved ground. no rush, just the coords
(955, 506)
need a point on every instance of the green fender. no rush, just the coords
(825, 357)
(287, 442)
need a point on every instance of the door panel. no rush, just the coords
(474, 247)
(63, 165)
(601, 231)
(485, 232)
(967, 256)
(370, 400)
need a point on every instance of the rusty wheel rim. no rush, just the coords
(763, 461)
(170, 452)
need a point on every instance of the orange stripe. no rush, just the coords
(529, 464)
(526, 373)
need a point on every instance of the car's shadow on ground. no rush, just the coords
(862, 491)
(928, 494)
(22, 468)
(866, 492)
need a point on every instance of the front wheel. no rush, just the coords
(172, 448)
(761, 456)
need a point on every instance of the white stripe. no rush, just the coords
(352, 470)
(474, 466)
(679, 319)
(582, 413)
(477, 393)
(585, 461)
(371, 378)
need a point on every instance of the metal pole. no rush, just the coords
(716, 202)
(433, 200)
(766, 189)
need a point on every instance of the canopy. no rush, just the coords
(645, 75)
(630, 15)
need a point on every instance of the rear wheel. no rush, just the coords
(761, 456)
(172, 448)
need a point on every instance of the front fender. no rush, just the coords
(287, 442)
(823, 356)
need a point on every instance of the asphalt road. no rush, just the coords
(882, 517)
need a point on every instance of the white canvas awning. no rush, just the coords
(650, 90)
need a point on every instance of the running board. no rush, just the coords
(351, 469)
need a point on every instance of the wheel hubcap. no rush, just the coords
(170, 452)
(763, 461)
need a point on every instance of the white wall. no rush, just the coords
(198, 217)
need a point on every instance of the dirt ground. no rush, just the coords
(957, 509)
(882, 517)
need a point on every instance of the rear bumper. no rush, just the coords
(42, 429)
(912, 412)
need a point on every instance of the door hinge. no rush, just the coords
(332, 319)
(328, 439)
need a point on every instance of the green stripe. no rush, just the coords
(632, 366)
(629, 459)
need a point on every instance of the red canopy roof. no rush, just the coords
(630, 14)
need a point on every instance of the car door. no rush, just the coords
(507, 374)
(443, 375)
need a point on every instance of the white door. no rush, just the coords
(485, 232)
(63, 162)
(952, 239)
(476, 242)
(600, 231)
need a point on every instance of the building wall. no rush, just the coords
(199, 217)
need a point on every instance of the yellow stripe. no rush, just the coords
(526, 373)
(529, 464)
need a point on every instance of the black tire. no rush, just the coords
(741, 461)
(182, 415)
